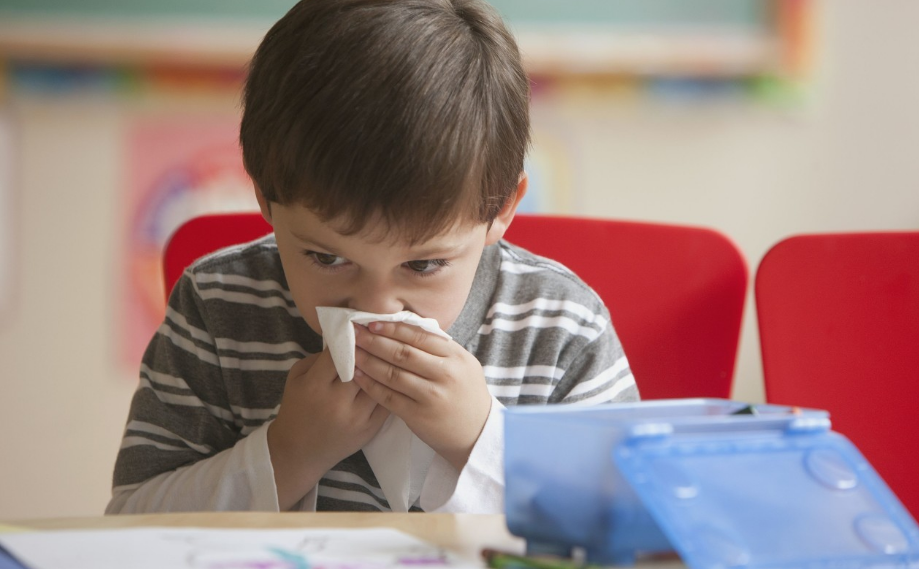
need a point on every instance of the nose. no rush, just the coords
(376, 295)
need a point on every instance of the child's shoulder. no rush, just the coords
(240, 294)
(255, 261)
(524, 272)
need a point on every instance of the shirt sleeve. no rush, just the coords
(238, 478)
(183, 448)
(479, 487)
(599, 373)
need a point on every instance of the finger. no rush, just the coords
(396, 353)
(378, 415)
(319, 368)
(392, 376)
(361, 398)
(388, 398)
(413, 336)
(302, 366)
(366, 405)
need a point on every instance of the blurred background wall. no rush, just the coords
(80, 148)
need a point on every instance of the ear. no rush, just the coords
(264, 205)
(506, 215)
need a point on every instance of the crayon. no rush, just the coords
(501, 560)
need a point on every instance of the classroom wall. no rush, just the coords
(845, 160)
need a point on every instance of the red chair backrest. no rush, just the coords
(205, 234)
(839, 330)
(675, 293)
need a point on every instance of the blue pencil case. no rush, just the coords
(721, 486)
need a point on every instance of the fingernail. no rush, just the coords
(376, 326)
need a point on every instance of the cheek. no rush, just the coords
(445, 301)
(308, 293)
(306, 305)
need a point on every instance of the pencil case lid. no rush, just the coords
(805, 499)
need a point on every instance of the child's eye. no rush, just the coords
(427, 267)
(325, 260)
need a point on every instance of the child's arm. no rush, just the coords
(238, 478)
(184, 449)
(599, 373)
(189, 446)
(324, 421)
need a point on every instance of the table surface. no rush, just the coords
(464, 534)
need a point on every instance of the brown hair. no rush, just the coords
(413, 110)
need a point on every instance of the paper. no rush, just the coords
(195, 548)
(398, 458)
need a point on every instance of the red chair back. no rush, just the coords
(205, 234)
(675, 293)
(839, 330)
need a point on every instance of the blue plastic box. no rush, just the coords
(772, 489)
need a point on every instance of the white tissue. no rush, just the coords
(399, 459)
(338, 332)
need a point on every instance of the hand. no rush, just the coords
(321, 421)
(430, 382)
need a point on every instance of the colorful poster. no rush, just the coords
(177, 168)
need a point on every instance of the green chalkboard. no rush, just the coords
(643, 13)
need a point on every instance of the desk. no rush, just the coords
(464, 534)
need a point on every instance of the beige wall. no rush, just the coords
(844, 161)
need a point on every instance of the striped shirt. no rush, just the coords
(213, 376)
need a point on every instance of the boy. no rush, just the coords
(386, 143)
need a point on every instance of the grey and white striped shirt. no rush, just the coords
(213, 376)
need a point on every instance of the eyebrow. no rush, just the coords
(311, 241)
(432, 252)
(438, 251)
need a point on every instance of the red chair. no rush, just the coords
(839, 330)
(675, 293)
(202, 235)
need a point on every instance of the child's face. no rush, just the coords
(363, 272)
